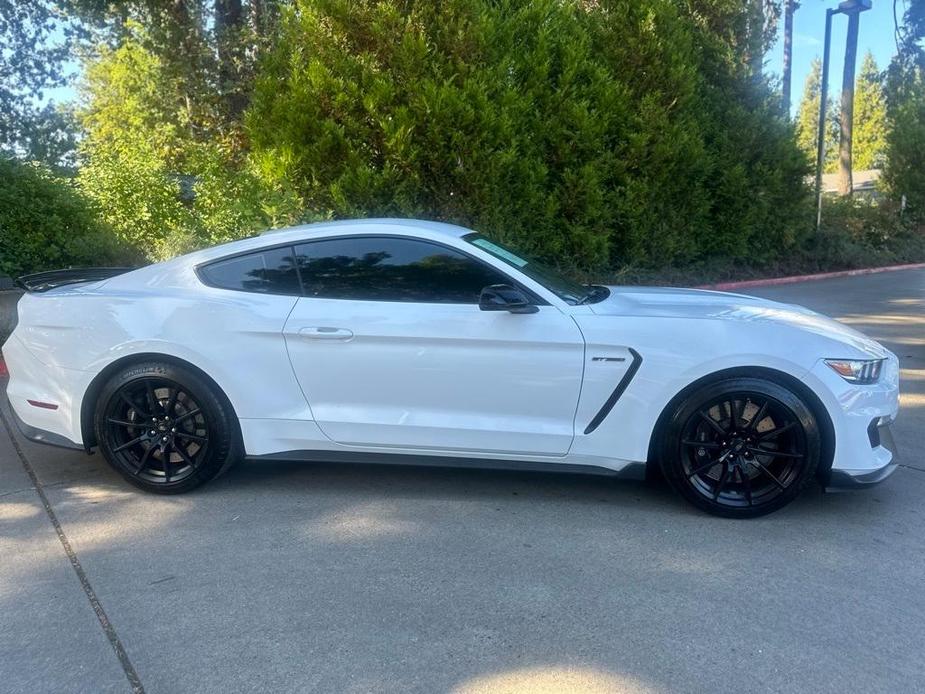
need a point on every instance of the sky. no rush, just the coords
(875, 34)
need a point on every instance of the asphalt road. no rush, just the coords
(289, 577)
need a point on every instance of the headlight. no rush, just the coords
(860, 371)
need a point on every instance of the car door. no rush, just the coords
(391, 350)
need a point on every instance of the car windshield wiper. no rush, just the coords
(596, 293)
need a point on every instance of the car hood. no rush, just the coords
(703, 304)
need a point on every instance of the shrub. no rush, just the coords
(858, 232)
(594, 134)
(45, 223)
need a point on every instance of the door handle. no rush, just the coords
(326, 333)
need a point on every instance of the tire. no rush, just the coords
(165, 428)
(741, 447)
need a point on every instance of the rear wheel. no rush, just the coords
(741, 447)
(164, 428)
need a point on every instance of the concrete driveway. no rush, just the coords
(289, 577)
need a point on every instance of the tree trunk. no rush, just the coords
(228, 39)
(845, 184)
(756, 39)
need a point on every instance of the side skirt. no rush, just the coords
(635, 471)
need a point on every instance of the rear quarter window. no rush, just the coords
(264, 272)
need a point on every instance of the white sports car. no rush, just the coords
(408, 341)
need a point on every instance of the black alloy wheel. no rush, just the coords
(741, 447)
(163, 428)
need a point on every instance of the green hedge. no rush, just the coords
(45, 223)
(595, 134)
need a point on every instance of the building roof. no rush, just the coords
(861, 180)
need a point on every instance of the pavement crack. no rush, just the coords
(108, 629)
(912, 467)
(17, 491)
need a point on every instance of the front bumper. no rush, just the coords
(861, 415)
(843, 479)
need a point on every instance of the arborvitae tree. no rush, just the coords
(903, 172)
(594, 134)
(870, 121)
(807, 121)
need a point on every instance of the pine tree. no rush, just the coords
(807, 120)
(870, 123)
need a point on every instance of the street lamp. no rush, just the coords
(853, 9)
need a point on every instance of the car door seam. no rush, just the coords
(581, 384)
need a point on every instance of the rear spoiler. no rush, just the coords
(43, 281)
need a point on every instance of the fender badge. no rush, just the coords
(608, 358)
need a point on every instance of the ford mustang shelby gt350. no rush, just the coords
(410, 341)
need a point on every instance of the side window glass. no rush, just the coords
(392, 269)
(267, 272)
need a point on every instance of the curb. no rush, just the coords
(771, 281)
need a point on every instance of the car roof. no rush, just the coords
(165, 272)
(441, 228)
(305, 232)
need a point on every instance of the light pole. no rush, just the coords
(852, 8)
(790, 6)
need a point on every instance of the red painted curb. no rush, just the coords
(723, 286)
(3, 370)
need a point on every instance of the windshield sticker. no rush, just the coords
(500, 252)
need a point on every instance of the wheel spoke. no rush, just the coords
(768, 473)
(701, 444)
(132, 405)
(152, 398)
(776, 432)
(720, 485)
(144, 459)
(774, 454)
(713, 423)
(171, 401)
(759, 415)
(737, 407)
(125, 423)
(192, 437)
(185, 456)
(186, 415)
(128, 444)
(165, 459)
(746, 484)
(703, 468)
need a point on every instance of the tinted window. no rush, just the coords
(392, 269)
(565, 289)
(268, 272)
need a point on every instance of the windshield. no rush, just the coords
(566, 289)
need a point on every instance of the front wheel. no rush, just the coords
(741, 447)
(164, 428)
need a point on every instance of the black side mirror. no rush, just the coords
(504, 297)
